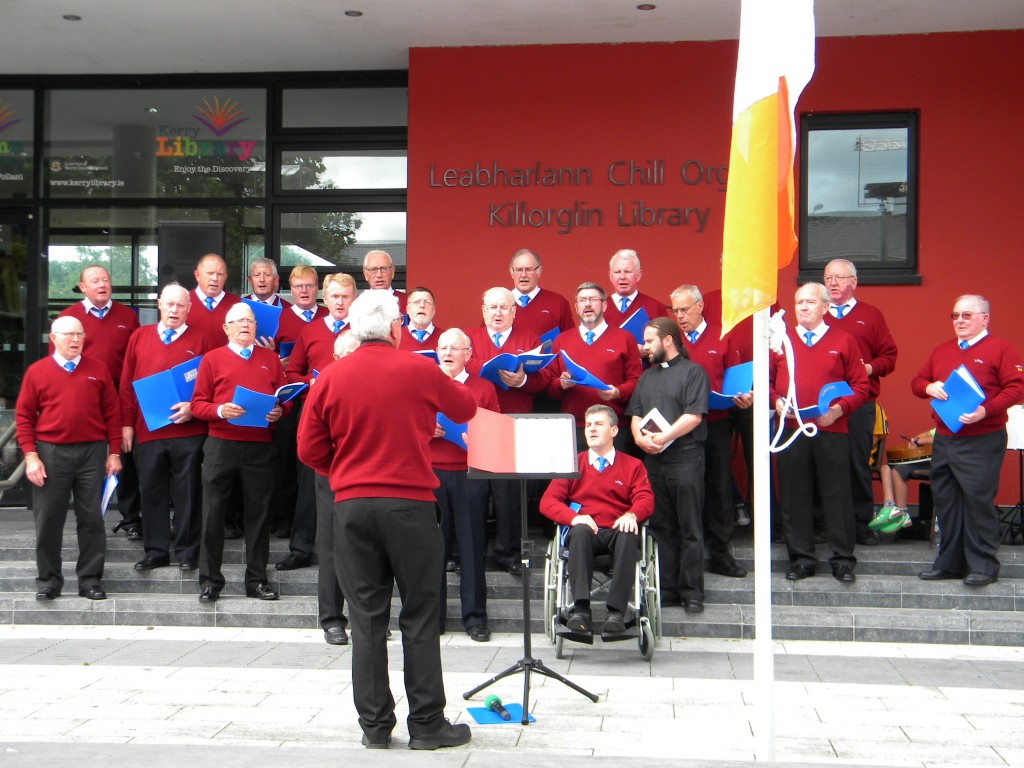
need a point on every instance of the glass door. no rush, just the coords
(13, 297)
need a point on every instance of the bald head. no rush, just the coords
(174, 303)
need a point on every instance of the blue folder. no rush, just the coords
(453, 432)
(828, 393)
(267, 318)
(581, 375)
(506, 361)
(964, 396)
(636, 323)
(284, 349)
(157, 394)
(550, 336)
(256, 404)
(738, 380)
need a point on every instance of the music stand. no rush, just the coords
(1010, 520)
(552, 454)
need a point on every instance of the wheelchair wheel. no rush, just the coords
(549, 597)
(645, 640)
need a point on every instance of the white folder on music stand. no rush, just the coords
(1015, 428)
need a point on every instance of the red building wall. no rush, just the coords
(666, 108)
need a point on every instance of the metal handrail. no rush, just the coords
(19, 471)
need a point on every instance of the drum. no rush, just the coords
(909, 454)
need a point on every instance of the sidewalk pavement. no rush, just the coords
(96, 695)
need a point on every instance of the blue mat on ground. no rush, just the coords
(486, 717)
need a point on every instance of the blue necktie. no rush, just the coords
(308, 314)
(338, 326)
(524, 300)
(168, 335)
(809, 336)
(692, 336)
(209, 303)
(497, 339)
(100, 312)
(420, 335)
(840, 310)
(590, 337)
(964, 345)
(602, 463)
(69, 366)
(625, 303)
(245, 353)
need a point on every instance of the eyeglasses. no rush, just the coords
(524, 270)
(303, 286)
(683, 310)
(837, 278)
(498, 308)
(243, 321)
(377, 270)
(965, 315)
(589, 300)
(450, 348)
(72, 334)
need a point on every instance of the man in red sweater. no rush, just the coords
(169, 458)
(610, 499)
(210, 302)
(421, 334)
(540, 311)
(108, 326)
(705, 347)
(463, 502)
(379, 271)
(368, 428)
(821, 355)
(499, 335)
(624, 273)
(610, 354)
(68, 426)
(867, 325)
(234, 451)
(966, 463)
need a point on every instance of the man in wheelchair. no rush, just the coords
(602, 509)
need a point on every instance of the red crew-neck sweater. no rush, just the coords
(105, 339)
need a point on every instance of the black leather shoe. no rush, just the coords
(336, 636)
(867, 539)
(693, 605)
(579, 621)
(149, 562)
(614, 624)
(283, 533)
(293, 561)
(979, 580)
(261, 591)
(386, 744)
(516, 569)
(479, 632)
(209, 595)
(232, 532)
(798, 572)
(936, 575)
(95, 592)
(47, 593)
(447, 735)
(188, 565)
(732, 569)
(451, 566)
(844, 573)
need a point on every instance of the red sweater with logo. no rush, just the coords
(654, 308)
(371, 417)
(314, 351)
(105, 339)
(291, 325)
(545, 311)
(219, 373)
(446, 455)
(878, 348)
(613, 358)
(210, 324)
(993, 363)
(56, 406)
(513, 399)
(605, 496)
(147, 355)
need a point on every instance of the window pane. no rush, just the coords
(16, 150)
(857, 195)
(343, 169)
(338, 240)
(156, 143)
(344, 107)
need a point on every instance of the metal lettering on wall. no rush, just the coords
(621, 175)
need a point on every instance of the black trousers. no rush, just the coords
(717, 511)
(677, 480)
(379, 542)
(822, 462)
(254, 466)
(741, 423)
(170, 472)
(584, 544)
(508, 528)
(964, 479)
(329, 596)
(81, 468)
(282, 508)
(129, 498)
(463, 505)
(861, 427)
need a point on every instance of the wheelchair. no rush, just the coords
(643, 616)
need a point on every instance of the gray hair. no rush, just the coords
(821, 290)
(690, 290)
(263, 261)
(523, 252)
(175, 288)
(847, 263)
(239, 311)
(977, 298)
(625, 253)
(497, 290)
(588, 286)
(372, 315)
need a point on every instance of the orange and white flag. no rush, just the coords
(776, 61)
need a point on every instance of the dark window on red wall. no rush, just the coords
(858, 195)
